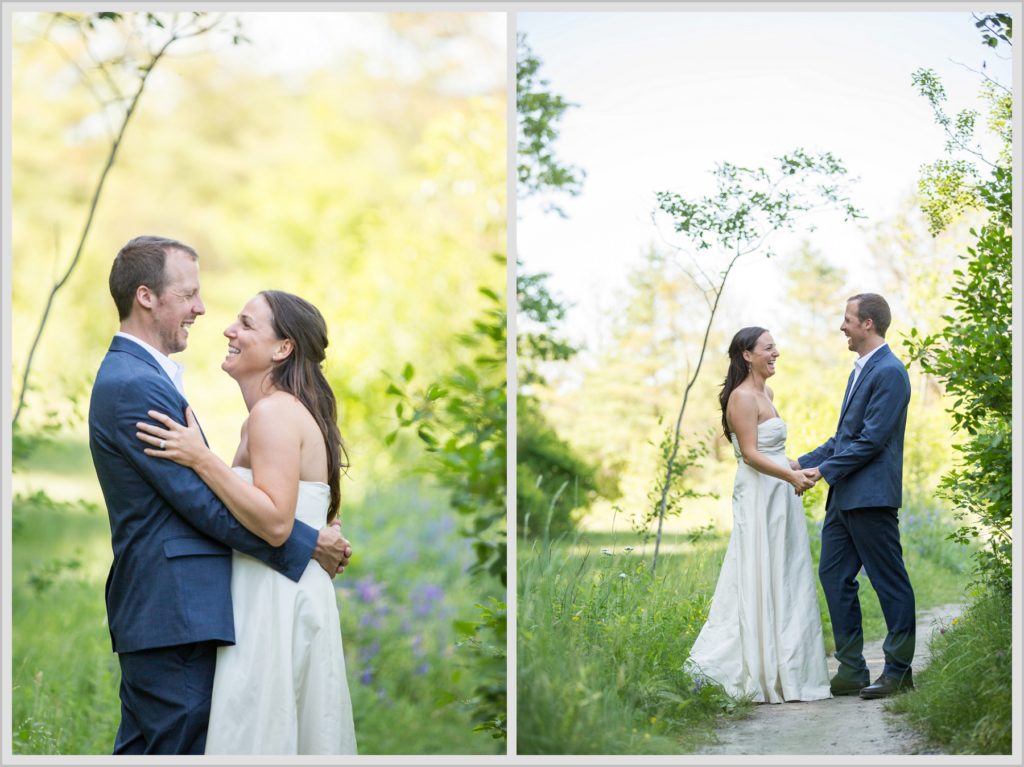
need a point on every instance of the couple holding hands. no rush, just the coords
(763, 636)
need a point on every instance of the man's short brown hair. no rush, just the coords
(141, 262)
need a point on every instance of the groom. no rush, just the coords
(863, 465)
(168, 593)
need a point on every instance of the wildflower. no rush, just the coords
(627, 548)
(606, 552)
(370, 620)
(369, 590)
(622, 575)
(424, 597)
(422, 669)
(367, 676)
(368, 652)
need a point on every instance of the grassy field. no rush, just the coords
(399, 599)
(601, 644)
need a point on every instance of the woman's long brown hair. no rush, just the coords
(744, 341)
(300, 375)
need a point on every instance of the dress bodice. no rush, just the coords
(771, 437)
(313, 501)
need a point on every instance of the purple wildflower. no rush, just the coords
(369, 590)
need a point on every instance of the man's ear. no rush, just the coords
(283, 350)
(145, 296)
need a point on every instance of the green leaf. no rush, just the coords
(465, 628)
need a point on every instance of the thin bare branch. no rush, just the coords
(145, 72)
(983, 74)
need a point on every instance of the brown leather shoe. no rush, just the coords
(885, 686)
(840, 686)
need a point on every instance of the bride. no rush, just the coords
(763, 635)
(281, 689)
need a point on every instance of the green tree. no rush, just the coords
(973, 354)
(553, 479)
(539, 111)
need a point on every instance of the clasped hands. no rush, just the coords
(804, 479)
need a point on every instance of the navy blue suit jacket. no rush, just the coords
(863, 462)
(170, 582)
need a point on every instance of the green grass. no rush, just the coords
(964, 698)
(601, 645)
(600, 651)
(400, 598)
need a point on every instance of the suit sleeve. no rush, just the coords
(818, 455)
(188, 495)
(888, 400)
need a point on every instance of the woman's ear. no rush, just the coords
(283, 349)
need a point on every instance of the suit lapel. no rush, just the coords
(868, 367)
(846, 398)
(120, 344)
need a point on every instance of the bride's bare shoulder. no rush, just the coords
(279, 406)
(741, 396)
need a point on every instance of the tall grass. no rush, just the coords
(400, 600)
(600, 651)
(601, 645)
(964, 698)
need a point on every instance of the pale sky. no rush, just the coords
(664, 96)
(293, 41)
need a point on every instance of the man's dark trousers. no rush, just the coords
(868, 537)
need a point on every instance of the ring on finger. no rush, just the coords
(163, 444)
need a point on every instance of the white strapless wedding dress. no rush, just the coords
(763, 634)
(281, 688)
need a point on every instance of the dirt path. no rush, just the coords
(844, 725)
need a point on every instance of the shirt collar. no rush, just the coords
(860, 362)
(174, 370)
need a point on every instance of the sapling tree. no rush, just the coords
(719, 230)
(116, 75)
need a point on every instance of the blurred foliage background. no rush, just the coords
(356, 159)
